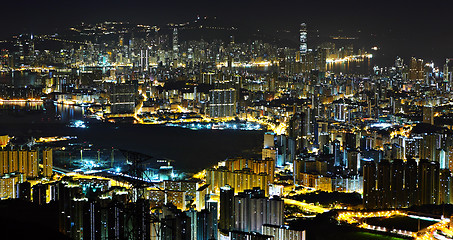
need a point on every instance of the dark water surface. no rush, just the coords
(191, 150)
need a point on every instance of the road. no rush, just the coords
(306, 206)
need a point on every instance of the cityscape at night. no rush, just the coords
(226, 121)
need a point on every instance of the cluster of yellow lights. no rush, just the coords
(51, 139)
(247, 64)
(73, 102)
(280, 129)
(20, 100)
(353, 217)
(34, 69)
(425, 234)
(348, 58)
(305, 206)
(428, 233)
(200, 175)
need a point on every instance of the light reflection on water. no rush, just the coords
(358, 66)
(58, 112)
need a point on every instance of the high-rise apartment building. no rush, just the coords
(428, 182)
(252, 210)
(47, 162)
(226, 218)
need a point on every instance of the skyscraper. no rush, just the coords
(269, 140)
(206, 222)
(448, 73)
(141, 220)
(24, 191)
(383, 184)
(428, 182)
(222, 103)
(32, 164)
(397, 184)
(13, 160)
(175, 43)
(91, 220)
(428, 115)
(444, 186)
(410, 182)
(303, 39)
(416, 69)
(116, 220)
(252, 209)
(122, 98)
(175, 225)
(23, 155)
(39, 194)
(3, 162)
(144, 60)
(47, 162)
(369, 184)
(226, 220)
(213, 229)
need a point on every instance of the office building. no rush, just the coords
(416, 69)
(222, 103)
(303, 39)
(175, 43)
(122, 98)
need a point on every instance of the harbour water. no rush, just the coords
(190, 150)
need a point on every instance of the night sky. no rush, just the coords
(422, 29)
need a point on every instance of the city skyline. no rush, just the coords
(396, 27)
(223, 121)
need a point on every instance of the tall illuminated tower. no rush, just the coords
(446, 77)
(448, 73)
(175, 42)
(303, 39)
